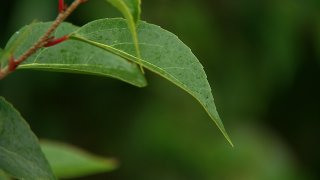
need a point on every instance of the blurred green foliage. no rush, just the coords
(263, 61)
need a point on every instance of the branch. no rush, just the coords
(43, 40)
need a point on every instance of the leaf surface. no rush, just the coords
(161, 52)
(131, 10)
(70, 162)
(76, 57)
(20, 153)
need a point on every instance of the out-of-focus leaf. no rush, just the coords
(131, 10)
(20, 153)
(253, 158)
(70, 162)
(76, 57)
(161, 52)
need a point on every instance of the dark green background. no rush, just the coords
(262, 59)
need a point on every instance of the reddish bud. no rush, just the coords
(53, 41)
(62, 6)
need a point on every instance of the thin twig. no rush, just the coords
(43, 40)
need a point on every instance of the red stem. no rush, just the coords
(62, 6)
(56, 41)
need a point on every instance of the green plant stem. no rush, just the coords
(43, 40)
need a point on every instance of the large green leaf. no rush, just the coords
(131, 10)
(161, 52)
(70, 162)
(20, 153)
(76, 57)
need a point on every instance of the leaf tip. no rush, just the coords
(225, 134)
(229, 140)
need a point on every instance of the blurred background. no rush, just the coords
(262, 59)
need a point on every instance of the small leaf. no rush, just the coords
(20, 153)
(131, 10)
(76, 57)
(20, 37)
(161, 51)
(70, 162)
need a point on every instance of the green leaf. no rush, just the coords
(20, 152)
(76, 57)
(131, 10)
(70, 162)
(161, 51)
